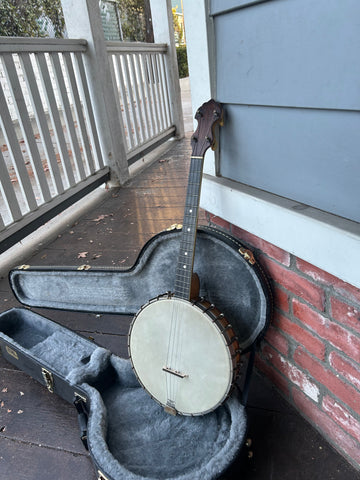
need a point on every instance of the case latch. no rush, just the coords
(49, 379)
(101, 476)
(80, 405)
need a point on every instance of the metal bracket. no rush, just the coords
(248, 255)
(49, 379)
(175, 226)
(84, 267)
(12, 352)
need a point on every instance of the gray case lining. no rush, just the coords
(129, 435)
(236, 287)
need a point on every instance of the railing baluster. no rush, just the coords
(28, 132)
(123, 95)
(139, 105)
(69, 121)
(16, 153)
(8, 191)
(165, 87)
(131, 99)
(55, 117)
(144, 109)
(161, 92)
(156, 92)
(74, 92)
(2, 224)
(151, 84)
(41, 121)
(147, 93)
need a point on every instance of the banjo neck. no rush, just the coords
(208, 116)
(185, 261)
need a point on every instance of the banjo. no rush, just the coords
(183, 351)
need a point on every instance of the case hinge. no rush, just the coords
(248, 255)
(175, 226)
(49, 379)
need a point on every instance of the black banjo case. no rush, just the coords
(127, 433)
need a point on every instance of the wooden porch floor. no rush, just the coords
(39, 436)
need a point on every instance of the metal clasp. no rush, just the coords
(49, 379)
(175, 226)
(101, 476)
(248, 255)
(84, 267)
(12, 352)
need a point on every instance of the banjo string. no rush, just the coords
(171, 350)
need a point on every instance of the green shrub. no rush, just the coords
(182, 61)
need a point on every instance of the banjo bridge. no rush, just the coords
(175, 372)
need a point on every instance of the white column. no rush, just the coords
(201, 57)
(83, 20)
(164, 33)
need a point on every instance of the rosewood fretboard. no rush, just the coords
(208, 115)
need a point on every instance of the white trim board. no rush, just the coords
(329, 242)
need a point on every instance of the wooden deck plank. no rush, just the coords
(31, 414)
(24, 461)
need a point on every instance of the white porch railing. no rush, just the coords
(49, 148)
(139, 74)
(51, 139)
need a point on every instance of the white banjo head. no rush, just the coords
(180, 356)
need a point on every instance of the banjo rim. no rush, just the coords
(224, 331)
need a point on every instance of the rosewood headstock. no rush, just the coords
(208, 116)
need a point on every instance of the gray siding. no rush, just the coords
(289, 76)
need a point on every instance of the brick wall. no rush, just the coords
(311, 351)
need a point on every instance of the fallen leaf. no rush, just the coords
(2, 404)
(22, 393)
(82, 254)
(4, 390)
(100, 217)
(20, 412)
(97, 255)
(9, 410)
